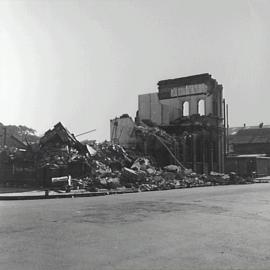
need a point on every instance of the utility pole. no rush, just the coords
(227, 118)
(5, 136)
(224, 127)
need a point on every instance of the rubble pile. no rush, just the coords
(143, 176)
(58, 148)
(112, 155)
(147, 130)
(60, 156)
(166, 140)
(109, 166)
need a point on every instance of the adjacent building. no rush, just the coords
(249, 150)
(250, 140)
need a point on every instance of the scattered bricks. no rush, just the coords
(168, 176)
(129, 176)
(151, 171)
(172, 168)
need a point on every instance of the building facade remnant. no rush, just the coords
(192, 110)
(122, 131)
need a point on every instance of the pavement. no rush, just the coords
(222, 227)
(263, 179)
(27, 194)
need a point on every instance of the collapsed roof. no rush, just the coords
(59, 134)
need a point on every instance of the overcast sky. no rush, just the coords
(84, 62)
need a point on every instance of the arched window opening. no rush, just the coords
(186, 108)
(201, 107)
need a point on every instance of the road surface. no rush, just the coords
(223, 227)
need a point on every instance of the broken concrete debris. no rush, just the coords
(60, 161)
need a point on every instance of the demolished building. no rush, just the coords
(60, 153)
(189, 109)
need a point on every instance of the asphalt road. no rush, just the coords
(225, 227)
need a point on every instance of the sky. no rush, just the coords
(85, 62)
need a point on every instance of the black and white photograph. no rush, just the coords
(134, 135)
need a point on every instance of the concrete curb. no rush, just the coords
(90, 194)
(63, 195)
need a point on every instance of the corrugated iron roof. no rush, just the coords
(250, 135)
(234, 130)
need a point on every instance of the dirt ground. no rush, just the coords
(224, 227)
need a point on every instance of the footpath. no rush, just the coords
(44, 194)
